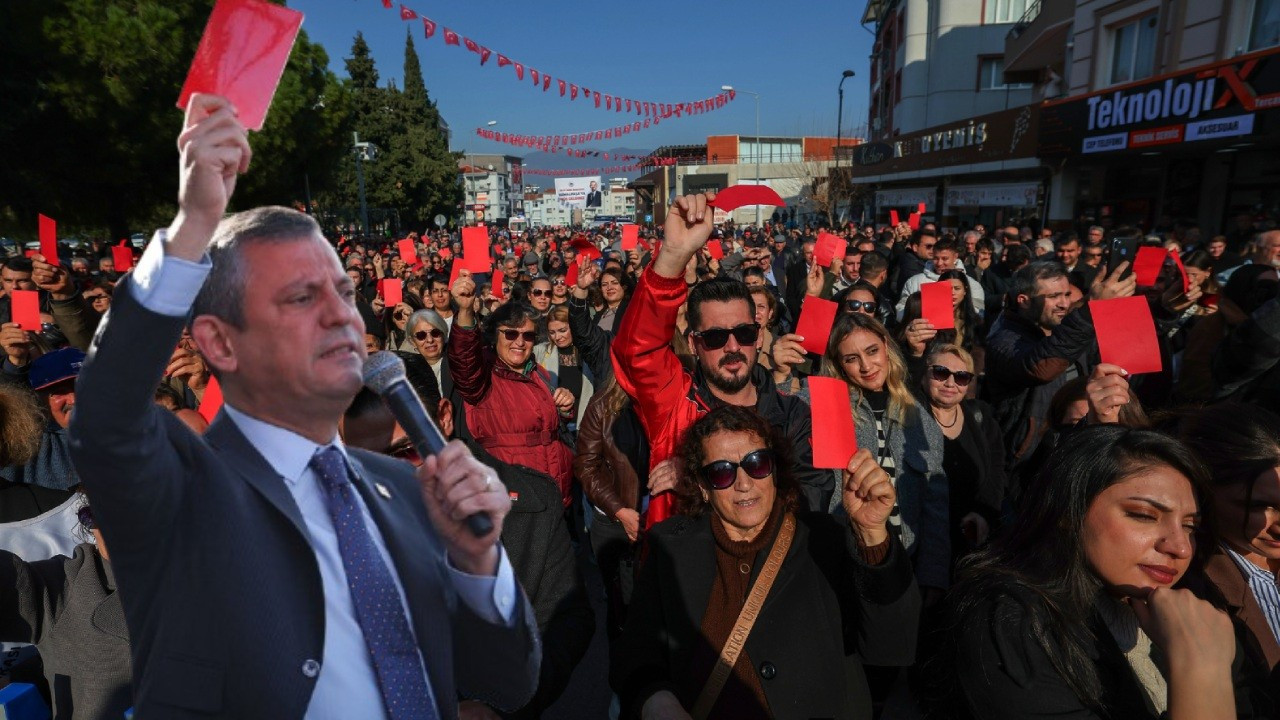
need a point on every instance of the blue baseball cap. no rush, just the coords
(52, 368)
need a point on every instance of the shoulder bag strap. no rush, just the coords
(746, 620)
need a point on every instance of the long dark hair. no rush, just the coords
(1040, 562)
(731, 418)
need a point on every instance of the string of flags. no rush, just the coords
(556, 143)
(592, 171)
(642, 108)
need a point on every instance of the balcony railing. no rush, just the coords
(1024, 22)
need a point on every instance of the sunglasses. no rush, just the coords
(399, 314)
(85, 517)
(422, 334)
(716, 338)
(511, 335)
(859, 305)
(941, 373)
(557, 282)
(404, 450)
(721, 473)
(539, 293)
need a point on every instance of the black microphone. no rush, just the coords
(384, 374)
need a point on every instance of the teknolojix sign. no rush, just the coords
(1227, 99)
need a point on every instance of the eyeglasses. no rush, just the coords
(859, 305)
(721, 473)
(511, 335)
(940, 373)
(557, 282)
(539, 293)
(422, 334)
(716, 338)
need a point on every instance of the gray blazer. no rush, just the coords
(923, 499)
(219, 583)
(68, 607)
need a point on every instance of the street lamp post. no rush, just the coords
(364, 151)
(840, 124)
(728, 88)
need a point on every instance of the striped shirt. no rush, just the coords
(1265, 591)
(879, 402)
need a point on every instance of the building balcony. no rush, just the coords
(1038, 41)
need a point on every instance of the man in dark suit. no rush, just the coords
(594, 199)
(267, 571)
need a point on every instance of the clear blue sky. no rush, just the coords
(792, 53)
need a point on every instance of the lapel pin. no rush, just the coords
(382, 490)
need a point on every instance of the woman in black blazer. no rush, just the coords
(973, 451)
(844, 594)
(1072, 612)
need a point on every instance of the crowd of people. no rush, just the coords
(1024, 530)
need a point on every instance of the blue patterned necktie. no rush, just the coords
(402, 679)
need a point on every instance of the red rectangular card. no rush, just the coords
(211, 401)
(571, 274)
(893, 218)
(1182, 269)
(123, 258)
(1126, 334)
(444, 253)
(913, 221)
(716, 248)
(496, 287)
(475, 250)
(1148, 263)
(408, 252)
(827, 248)
(936, 306)
(392, 291)
(26, 309)
(49, 239)
(630, 237)
(454, 271)
(920, 208)
(817, 316)
(242, 55)
(835, 438)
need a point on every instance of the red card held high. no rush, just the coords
(893, 218)
(392, 290)
(913, 221)
(1126, 334)
(630, 237)
(571, 274)
(834, 438)
(242, 55)
(936, 305)
(26, 309)
(827, 248)
(475, 250)
(122, 257)
(817, 316)
(1147, 264)
(408, 252)
(715, 248)
(49, 239)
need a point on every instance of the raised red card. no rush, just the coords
(827, 248)
(936, 306)
(1126, 334)
(716, 249)
(732, 198)
(242, 55)
(496, 287)
(392, 291)
(49, 239)
(26, 309)
(211, 401)
(444, 253)
(1182, 269)
(630, 237)
(408, 252)
(1148, 263)
(920, 208)
(123, 258)
(835, 439)
(571, 274)
(817, 316)
(475, 250)
(893, 218)
(913, 221)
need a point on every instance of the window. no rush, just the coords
(1006, 11)
(1133, 49)
(897, 87)
(1264, 30)
(991, 76)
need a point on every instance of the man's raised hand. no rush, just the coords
(214, 149)
(686, 230)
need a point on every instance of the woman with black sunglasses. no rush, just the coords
(835, 593)
(972, 448)
(511, 408)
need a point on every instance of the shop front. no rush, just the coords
(978, 170)
(1197, 146)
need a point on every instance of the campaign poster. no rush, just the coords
(579, 192)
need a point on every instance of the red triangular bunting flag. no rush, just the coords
(596, 97)
(407, 14)
(471, 45)
(484, 54)
(608, 102)
(534, 74)
(546, 82)
(503, 60)
(450, 37)
(573, 91)
(386, 4)
(428, 28)
(519, 71)
(561, 84)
